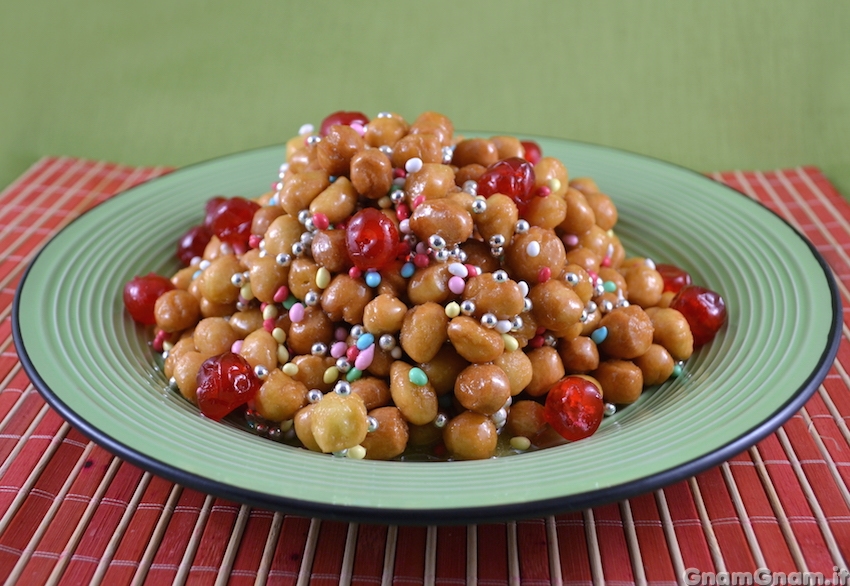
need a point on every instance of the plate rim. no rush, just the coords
(447, 515)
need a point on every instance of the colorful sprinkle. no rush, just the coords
(338, 349)
(511, 343)
(457, 285)
(290, 368)
(677, 370)
(364, 359)
(407, 270)
(570, 240)
(599, 335)
(520, 443)
(279, 335)
(354, 273)
(321, 221)
(413, 165)
(365, 341)
(459, 270)
(417, 201)
(282, 354)
(356, 452)
(544, 274)
(236, 347)
(281, 294)
(351, 353)
(533, 248)
(373, 278)
(323, 278)
(452, 309)
(609, 286)
(268, 325)
(421, 260)
(331, 374)
(417, 376)
(353, 375)
(503, 326)
(296, 312)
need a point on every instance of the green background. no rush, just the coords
(708, 85)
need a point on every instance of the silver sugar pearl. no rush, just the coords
(609, 409)
(622, 303)
(384, 115)
(307, 239)
(261, 371)
(342, 364)
(436, 242)
(313, 139)
(516, 324)
(441, 419)
(397, 195)
(283, 259)
(371, 424)
(386, 342)
(356, 331)
(314, 395)
(237, 280)
(304, 215)
(342, 387)
(497, 251)
(488, 320)
(591, 307)
(526, 304)
(501, 276)
(497, 240)
(340, 453)
(442, 255)
(584, 315)
(318, 349)
(572, 279)
(310, 225)
(522, 226)
(467, 307)
(448, 152)
(387, 150)
(298, 249)
(607, 306)
(479, 206)
(311, 298)
(274, 432)
(550, 340)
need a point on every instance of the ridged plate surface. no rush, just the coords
(95, 367)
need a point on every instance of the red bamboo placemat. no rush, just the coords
(71, 513)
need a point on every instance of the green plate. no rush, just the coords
(95, 367)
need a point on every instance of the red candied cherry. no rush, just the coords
(192, 244)
(704, 310)
(533, 154)
(231, 220)
(209, 208)
(343, 118)
(513, 177)
(141, 293)
(371, 239)
(574, 407)
(674, 277)
(225, 382)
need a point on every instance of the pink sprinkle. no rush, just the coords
(399, 172)
(321, 221)
(281, 294)
(472, 270)
(263, 306)
(364, 358)
(544, 274)
(402, 212)
(268, 325)
(421, 248)
(570, 239)
(358, 128)
(421, 260)
(341, 334)
(593, 276)
(539, 331)
(296, 313)
(159, 340)
(536, 342)
(606, 262)
(338, 349)
(417, 201)
(351, 353)
(456, 285)
(354, 273)
(236, 347)
(254, 240)
(543, 191)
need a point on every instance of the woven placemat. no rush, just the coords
(72, 513)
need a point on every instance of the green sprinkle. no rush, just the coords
(677, 370)
(353, 375)
(290, 301)
(609, 286)
(417, 376)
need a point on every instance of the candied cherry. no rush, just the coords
(533, 154)
(704, 309)
(225, 382)
(371, 239)
(231, 220)
(343, 118)
(674, 277)
(141, 293)
(513, 177)
(574, 407)
(192, 244)
(209, 208)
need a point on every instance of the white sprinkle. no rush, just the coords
(413, 165)
(404, 226)
(305, 129)
(399, 181)
(650, 263)
(458, 270)
(523, 288)
(204, 264)
(533, 248)
(503, 326)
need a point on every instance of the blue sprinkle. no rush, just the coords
(373, 278)
(407, 270)
(609, 286)
(599, 335)
(677, 370)
(365, 341)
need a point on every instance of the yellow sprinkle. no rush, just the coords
(554, 184)
(520, 443)
(286, 425)
(270, 312)
(290, 368)
(385, 202)
(323, 278)
(246, 292)
(279, 334)
(453, 309)
(282, 354)
(167, 346)
(331, 375)
(356, 453)
(511, 343)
